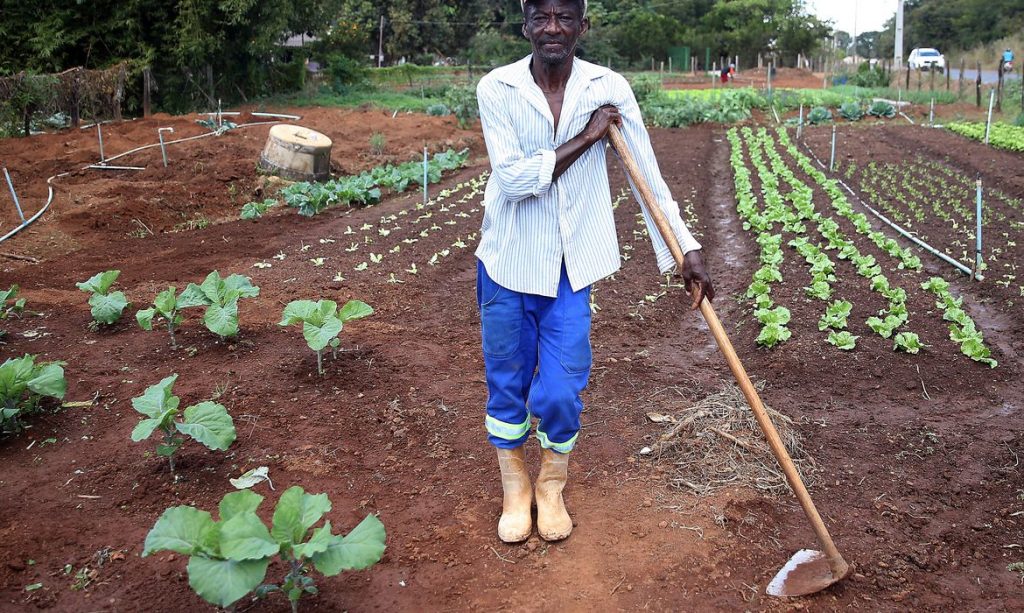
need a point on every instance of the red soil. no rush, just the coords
(921, 494)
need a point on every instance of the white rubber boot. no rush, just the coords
(516, 523)
(553, 521)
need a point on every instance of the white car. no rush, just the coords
(927, 59)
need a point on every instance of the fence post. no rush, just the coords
(977, 85)
(947, 77)
(908, 78)
(919, 78)
(122, 76)
(76, 82)
(960, 90)
(146, 88)
(988, 125)
(99, 135)
(999, 88)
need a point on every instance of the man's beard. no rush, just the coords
(554, 57)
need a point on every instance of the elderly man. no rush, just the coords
(548, 234)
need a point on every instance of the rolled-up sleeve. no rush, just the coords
(639, 141)
(519, 174)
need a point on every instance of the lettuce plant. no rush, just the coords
(229, 558)
(165, 306)
(909, 342)
(835, 315)
(843, 340)
(23, 385)
(220, 297)
(773, 322)
(107, 306)
(322, 322)
(207, 422)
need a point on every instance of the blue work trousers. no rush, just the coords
(537, 356)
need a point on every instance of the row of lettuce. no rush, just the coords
(786, 207)
(1002, 135)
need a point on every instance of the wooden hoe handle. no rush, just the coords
(836, 561)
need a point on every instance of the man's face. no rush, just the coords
(554, 27)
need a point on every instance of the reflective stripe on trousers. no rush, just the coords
(537, 356)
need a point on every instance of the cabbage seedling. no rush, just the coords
(229, 558)
(220, 297)
(10, 304)
(166, 306)
(23, 385)
(207, 422)
(107, 306)
(322, 322)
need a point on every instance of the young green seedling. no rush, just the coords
(322, 322)
(255, 210)
(207, 422)
(23, 385)
(165, 305)
(229, 558)
(10, 304)
(220, 297)
(107, 306)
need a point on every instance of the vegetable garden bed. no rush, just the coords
(915, 476)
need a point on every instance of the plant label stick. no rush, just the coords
(99, 135)
(977, 248)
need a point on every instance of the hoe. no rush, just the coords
(808, 571)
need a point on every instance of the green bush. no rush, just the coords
(462, 102)
(344, 72)
(870, 77)
(645, 87)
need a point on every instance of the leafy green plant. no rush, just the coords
(851, 111)
(438, 110)
(322, 322)
(836, 315)
(255, 210)
(229, 558)
(773, 322)
(843, 340)
(107, 306)
(881, 108)
(220, 297)
(819, 115)
(165, 305)
(207, 422)
(10, 304)
(463, 104)
(23, 385)
(909, 342)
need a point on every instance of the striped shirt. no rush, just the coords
(532, 225)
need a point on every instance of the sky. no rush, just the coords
(867, 15)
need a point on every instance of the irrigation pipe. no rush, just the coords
(51, 191)
(920, 243)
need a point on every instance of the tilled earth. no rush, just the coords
(918, 476)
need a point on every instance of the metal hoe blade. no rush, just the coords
(807, 572)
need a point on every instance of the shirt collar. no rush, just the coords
(519, 75)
